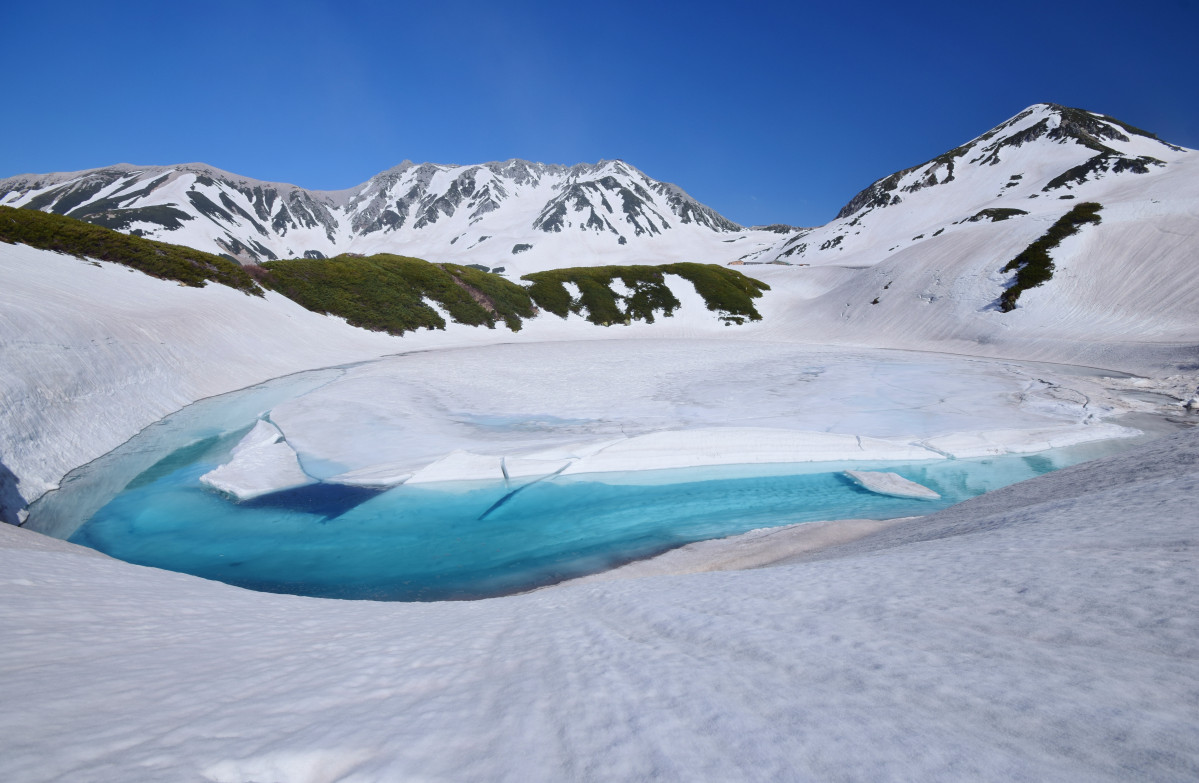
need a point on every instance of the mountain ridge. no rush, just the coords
(252, 220)
(521, 216)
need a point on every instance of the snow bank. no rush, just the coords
(755, 549)
(93, 352)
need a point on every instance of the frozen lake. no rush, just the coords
(433, 542)
(486, 471)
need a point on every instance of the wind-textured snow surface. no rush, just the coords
(1046, 631)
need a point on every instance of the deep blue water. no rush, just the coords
(457, 541)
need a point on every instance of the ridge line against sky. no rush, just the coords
(767, 112)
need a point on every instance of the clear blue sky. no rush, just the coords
(768, 112)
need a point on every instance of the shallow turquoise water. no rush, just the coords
(457, 541)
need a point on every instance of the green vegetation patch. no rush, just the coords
(1034, 266)
(391, 293)
(157, 259)
(501, 298)
(387, 293)
(725, 291)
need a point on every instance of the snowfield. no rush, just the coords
(1045, 631)
(95, 352)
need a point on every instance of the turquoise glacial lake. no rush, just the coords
(144, 503)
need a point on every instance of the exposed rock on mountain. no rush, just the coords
(412, 209)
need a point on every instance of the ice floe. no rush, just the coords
(262, 463)
(887, 483)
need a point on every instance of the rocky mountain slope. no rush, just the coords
(515, 215)
(939, 254)
(520, 217)
(1024, 166)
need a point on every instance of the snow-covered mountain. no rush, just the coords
(924, 256)
(1063, 605)
(1027, 165)
(523, 216)
(517, 215)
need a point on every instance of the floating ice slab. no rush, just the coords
(572, 451)
(891, 484)
(262, 463)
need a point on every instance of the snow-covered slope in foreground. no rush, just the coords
(1046, 631)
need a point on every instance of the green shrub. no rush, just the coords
(725, 291)
(1033, 266)
(387, 293)
(157, 259)
(503, 298)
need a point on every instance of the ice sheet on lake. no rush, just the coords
(459, 466)
(655, 404)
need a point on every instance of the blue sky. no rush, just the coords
(768, 112)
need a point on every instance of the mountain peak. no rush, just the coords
(1086, 143)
